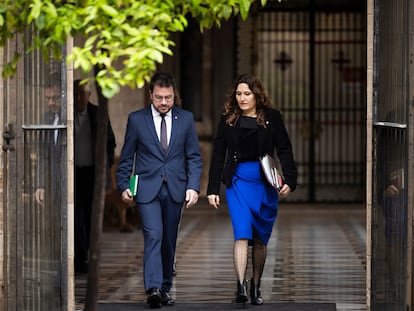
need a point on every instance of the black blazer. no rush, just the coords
(224, 157)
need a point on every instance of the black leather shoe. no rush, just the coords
(241, 295)
(154, 298)
(166, 299)
(255, 294)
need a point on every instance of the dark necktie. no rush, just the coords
(56, 132)
(163, 133)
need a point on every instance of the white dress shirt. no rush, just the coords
(157, 122)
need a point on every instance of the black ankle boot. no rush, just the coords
(255, 294)
(241, 296)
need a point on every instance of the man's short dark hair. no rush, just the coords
(162, 79)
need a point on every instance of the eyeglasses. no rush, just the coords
(159, 98)
(53, 98)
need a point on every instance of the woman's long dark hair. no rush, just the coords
(231, 107)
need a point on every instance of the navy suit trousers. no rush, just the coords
(160, 221)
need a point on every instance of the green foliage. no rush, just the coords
(133, 33)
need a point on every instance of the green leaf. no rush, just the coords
(109, 87)
(40, 22)
(108, 10)
(3, 8)
(90, 40)
(227, 12)
(9, 69)
(36, 8)
(244, 8)
(50, 10)
(156, 56)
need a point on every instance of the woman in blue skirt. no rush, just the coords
(249, 129)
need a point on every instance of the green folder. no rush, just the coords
(133, 185)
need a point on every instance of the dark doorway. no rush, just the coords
(313, 61)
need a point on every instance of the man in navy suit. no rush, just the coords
(169, 175)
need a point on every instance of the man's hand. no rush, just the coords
(214, 200)
(127, 197)
(191, 197)
(392, 191)
(40, 195)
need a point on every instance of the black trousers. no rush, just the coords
(84, 185)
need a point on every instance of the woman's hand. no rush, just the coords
(214, 200)
(285, 190)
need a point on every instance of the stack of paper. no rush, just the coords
(273, 171)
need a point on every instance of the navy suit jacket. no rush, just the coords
(181, 166)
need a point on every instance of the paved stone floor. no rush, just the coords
(316, 254)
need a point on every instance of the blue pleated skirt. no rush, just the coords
(252, 205)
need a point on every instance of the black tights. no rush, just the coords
(259, 252)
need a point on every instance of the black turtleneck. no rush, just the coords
(247, 146)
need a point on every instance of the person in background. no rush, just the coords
(85, 122)
(391, 214)
(49, 188)
(249, 128)
(168, 162)
(48, 150)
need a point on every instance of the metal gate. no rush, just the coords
(35, 182)
(390, 234)
(314, 66)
